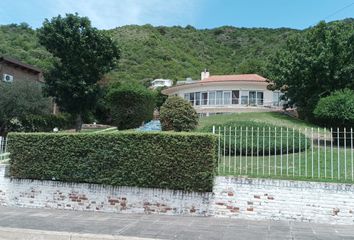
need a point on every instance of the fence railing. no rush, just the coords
(4, 155)
(279, 152)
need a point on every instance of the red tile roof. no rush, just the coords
(239, 77)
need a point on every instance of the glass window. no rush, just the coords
(219, 98)
(212, 98)
(252, 97)
(235, 96)
(227, 97)
(260, 98)
(204, 98)
(186, 96)
(197, 98)
(191, 98)
(244, 100)
(276, 96)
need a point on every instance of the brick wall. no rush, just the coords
(243, 198)
(258, 199)
(93, 197)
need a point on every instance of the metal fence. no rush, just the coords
(279, 152)
(4, 155)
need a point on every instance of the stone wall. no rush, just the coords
(258, 199)
(93, 197)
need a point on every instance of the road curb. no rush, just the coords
(31, 234)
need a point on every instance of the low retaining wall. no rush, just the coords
(243, 198)
(93, 197)
(259, 199)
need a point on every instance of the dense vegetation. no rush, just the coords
(167, 52)
(177, 114)
(314, 64)
(130, 105)
(158, 160)
(18, 100)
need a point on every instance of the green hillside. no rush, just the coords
(166, 52)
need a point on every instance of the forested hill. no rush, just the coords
(166, 52)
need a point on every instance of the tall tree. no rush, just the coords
(314, 64)
(84, 54)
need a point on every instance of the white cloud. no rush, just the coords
(107, 14)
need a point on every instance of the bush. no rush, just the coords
(46, 123)
(337, 111)
(248, 144)
(131, 105)
(178, 114)
(183, 161)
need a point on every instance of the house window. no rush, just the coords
(252, 97)
(244, 97)
(260, 98)
(191, 98)
(235, 96)
(227, 97)
(212, 98)
(219, 98)
(186, 96)
(204, 100)
(197, 98)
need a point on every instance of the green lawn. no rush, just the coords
(275, 118)
(319, 165)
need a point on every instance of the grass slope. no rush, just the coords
(274, 118)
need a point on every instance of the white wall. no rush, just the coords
(94, 197)
(302, 201)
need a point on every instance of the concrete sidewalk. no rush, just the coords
(26, 224)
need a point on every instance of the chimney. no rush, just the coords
(204, 74)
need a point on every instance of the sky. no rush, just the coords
(107, 14)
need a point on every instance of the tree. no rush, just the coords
(19, 99)
(314, 64)
(131, 104)
(160, 97)
(178, 115)
(84, 55)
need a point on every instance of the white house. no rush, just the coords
(227, 93)
(161, 83)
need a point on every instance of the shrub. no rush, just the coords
(337, 111)
(178, 114)
(19, 99)
(46, 123)
(183, 161)
(247, 144)
(131, 105)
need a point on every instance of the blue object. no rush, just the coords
(153, 125)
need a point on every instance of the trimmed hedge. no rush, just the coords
(270, 145)
(181, 161)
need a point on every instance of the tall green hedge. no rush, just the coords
(181, 161)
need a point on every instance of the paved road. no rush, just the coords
(163, 227)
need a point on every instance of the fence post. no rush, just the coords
(241, 150)
(300, 152)
(345, 153)
(275, 151)
(293, 152)
(332, 174)
(281, 151)
(351, 151)
(213, 129)
(318, 154)
(325, 153)
(219, 150)
(287, 151)
(312, 153)
(338, 149)
(252, 153)
(230, 150)
(235, 160)
(306, 163)
(263, 149)
(257, 151)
